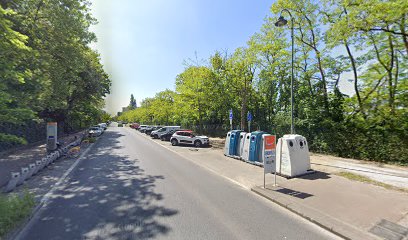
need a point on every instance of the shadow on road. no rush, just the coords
(107, 197)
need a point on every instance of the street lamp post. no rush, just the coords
(280, 23)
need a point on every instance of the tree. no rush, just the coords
(132, 104)
(47, 68)
(14, 107)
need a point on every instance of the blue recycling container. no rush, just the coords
(255, 146)
(234, 140)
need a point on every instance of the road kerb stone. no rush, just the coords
(15, 176)
(31, 169)
(331, 224)
(23, 176)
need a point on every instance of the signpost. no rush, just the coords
(230, 117)
(269, 156)
(249, 118)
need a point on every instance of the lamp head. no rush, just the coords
(281, 22)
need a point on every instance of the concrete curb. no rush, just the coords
(37, 166)
(23, 176)
(44, 200)
(31, 167)
(15, 176)
(331, 224)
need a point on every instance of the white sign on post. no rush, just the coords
(269, 155)
(51, 136)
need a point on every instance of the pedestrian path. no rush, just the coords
(14, 161)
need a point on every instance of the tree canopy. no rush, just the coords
(364, 42)
(47, 69)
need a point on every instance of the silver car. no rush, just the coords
(94, 132)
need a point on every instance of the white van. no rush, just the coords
(158, 133)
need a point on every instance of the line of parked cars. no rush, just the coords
(97, 130)
(174, 134)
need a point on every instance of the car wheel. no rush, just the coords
(197, 143)
(162, 138)
(174, 142)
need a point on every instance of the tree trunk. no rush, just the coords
(353, 65)
(404, 35)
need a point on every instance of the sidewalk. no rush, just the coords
(14, 161)
(396, 176)
(354, 210)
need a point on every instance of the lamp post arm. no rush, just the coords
(286, 10)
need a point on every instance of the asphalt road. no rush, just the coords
(130, 188)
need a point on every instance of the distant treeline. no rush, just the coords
(372, 39)
(48, 72)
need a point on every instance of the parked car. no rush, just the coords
(142, 128)
(101, 128)
(159, 132)
(94, 131)
(148, 131)
(135, 125)
(103, 125)
(188, 137)
(167, 136)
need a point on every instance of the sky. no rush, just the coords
(143, 44)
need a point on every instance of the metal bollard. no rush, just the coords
(23, 176)
(15, 176)
(31, 169)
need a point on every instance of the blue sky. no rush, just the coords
(143, 43)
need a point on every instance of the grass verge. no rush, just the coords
(13, 210)
(360, 178)
(89, 139)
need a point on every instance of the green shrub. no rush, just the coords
(14, 209)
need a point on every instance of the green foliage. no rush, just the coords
(332, 39)
(47, 68)
(12, 139)
(14, 209)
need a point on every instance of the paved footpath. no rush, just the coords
(130, 188)
(13, 161)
